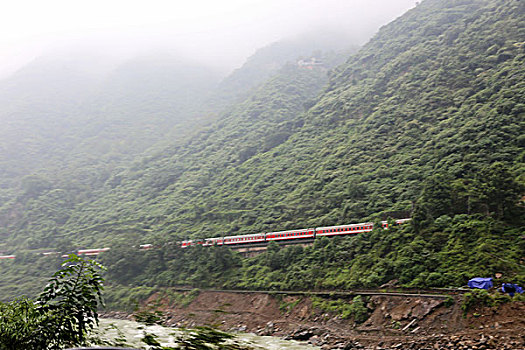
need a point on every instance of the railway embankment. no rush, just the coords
(353, 321)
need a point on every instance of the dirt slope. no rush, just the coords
(394, 322)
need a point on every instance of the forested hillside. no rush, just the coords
(436, 93)
(81, 125)
(425, 120)
(67, 123)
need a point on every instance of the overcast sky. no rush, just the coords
(221, 32)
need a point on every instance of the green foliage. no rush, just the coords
(476, 298)
(356, 310)
(19, 324)
(481, 298)
(445, 252)
(63, 315)
(287, 305)
(183, 299)
(125, 298)
(449, 301)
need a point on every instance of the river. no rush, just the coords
(129, 333)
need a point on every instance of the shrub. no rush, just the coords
(63, 314)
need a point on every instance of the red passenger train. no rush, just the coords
(279, 236)
(305, 233)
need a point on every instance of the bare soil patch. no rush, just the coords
(394, 322)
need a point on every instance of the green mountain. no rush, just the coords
(425, 120)
(439, 90)
(67, 122)
(88, 134)
(333, 47)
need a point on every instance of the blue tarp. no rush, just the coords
(511, 289)
(480, 283)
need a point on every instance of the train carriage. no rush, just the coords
(7, 256)
(187, 243)
(292, 234)
(92, 252)
(398, 222)
(244, 239)
(213, 241)
(343, 229)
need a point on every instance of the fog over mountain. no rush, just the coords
(221, 34)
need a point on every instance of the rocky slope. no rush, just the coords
(393, 322)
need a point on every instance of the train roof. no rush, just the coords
(297, 230)
(250, 235)
(349, 225)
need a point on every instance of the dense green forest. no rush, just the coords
(424, 120)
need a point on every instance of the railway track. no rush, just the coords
(440, 293)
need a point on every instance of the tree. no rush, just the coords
(63, 314)
(501, 191)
